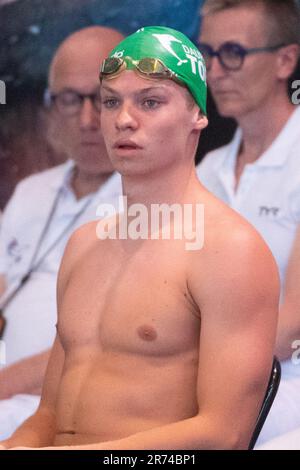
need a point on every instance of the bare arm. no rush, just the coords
(39, 429)
(289, 313)
(24, 376)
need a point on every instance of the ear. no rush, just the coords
(287, 60)
(200, 121)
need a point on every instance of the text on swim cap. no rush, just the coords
(196, 60)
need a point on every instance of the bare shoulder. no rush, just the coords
(234, 261)
(233, 280)
(231, 236)
(80, 242)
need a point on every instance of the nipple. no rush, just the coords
(147, 333)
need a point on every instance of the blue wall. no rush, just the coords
(30, 30)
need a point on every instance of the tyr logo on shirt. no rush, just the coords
(14, 250)
(268, 211)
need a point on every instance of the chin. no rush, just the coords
(91, 154)
(127, 169)
(95, 167)
(227, 110)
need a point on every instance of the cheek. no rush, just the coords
(106, 124)
(59, 134)
(67, 127)
(69, 137)
(174, 131)
(259, 77)
(257, 91)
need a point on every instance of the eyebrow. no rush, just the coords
(74, 90)
(143, 91)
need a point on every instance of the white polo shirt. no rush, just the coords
(31, 315)
(268, 194)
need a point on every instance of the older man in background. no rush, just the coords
(44, 211)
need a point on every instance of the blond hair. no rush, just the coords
(283, 17)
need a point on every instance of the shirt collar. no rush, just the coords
(227, 163)
(112, 186)
(65, 176)
(276, 154)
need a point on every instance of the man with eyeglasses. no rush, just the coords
(148, 330)
(251, 49)
(43, 212)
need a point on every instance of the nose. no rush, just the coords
(216, 69)
(89, 116)
(126, 118)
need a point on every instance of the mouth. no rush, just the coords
(126, 145)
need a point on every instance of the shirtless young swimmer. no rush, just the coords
(158, 346)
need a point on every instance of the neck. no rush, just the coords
(261, 127)
(84, 183)
(164, 187)
(169, 184)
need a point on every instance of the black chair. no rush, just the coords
(272, 388)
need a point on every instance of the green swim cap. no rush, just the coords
(175, 50)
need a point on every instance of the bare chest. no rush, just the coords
(136, 302)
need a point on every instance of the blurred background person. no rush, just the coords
(43, 212)
(30, 33)
(251, 50)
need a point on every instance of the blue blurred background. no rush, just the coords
(30, 30)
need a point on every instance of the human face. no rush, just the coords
(148, 125)
(243, 91)
(78, 135)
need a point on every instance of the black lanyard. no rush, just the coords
(37, 261)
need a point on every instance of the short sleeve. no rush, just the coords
(7, 231)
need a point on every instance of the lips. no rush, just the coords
(125, 145)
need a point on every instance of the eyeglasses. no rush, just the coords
(149, 67)
(231, 55)
(2, 324)
(69, 102)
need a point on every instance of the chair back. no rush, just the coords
(272, 388)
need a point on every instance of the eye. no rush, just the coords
(68, 98)
(110, 103)
(151, 103)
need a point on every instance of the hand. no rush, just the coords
(2, 447)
